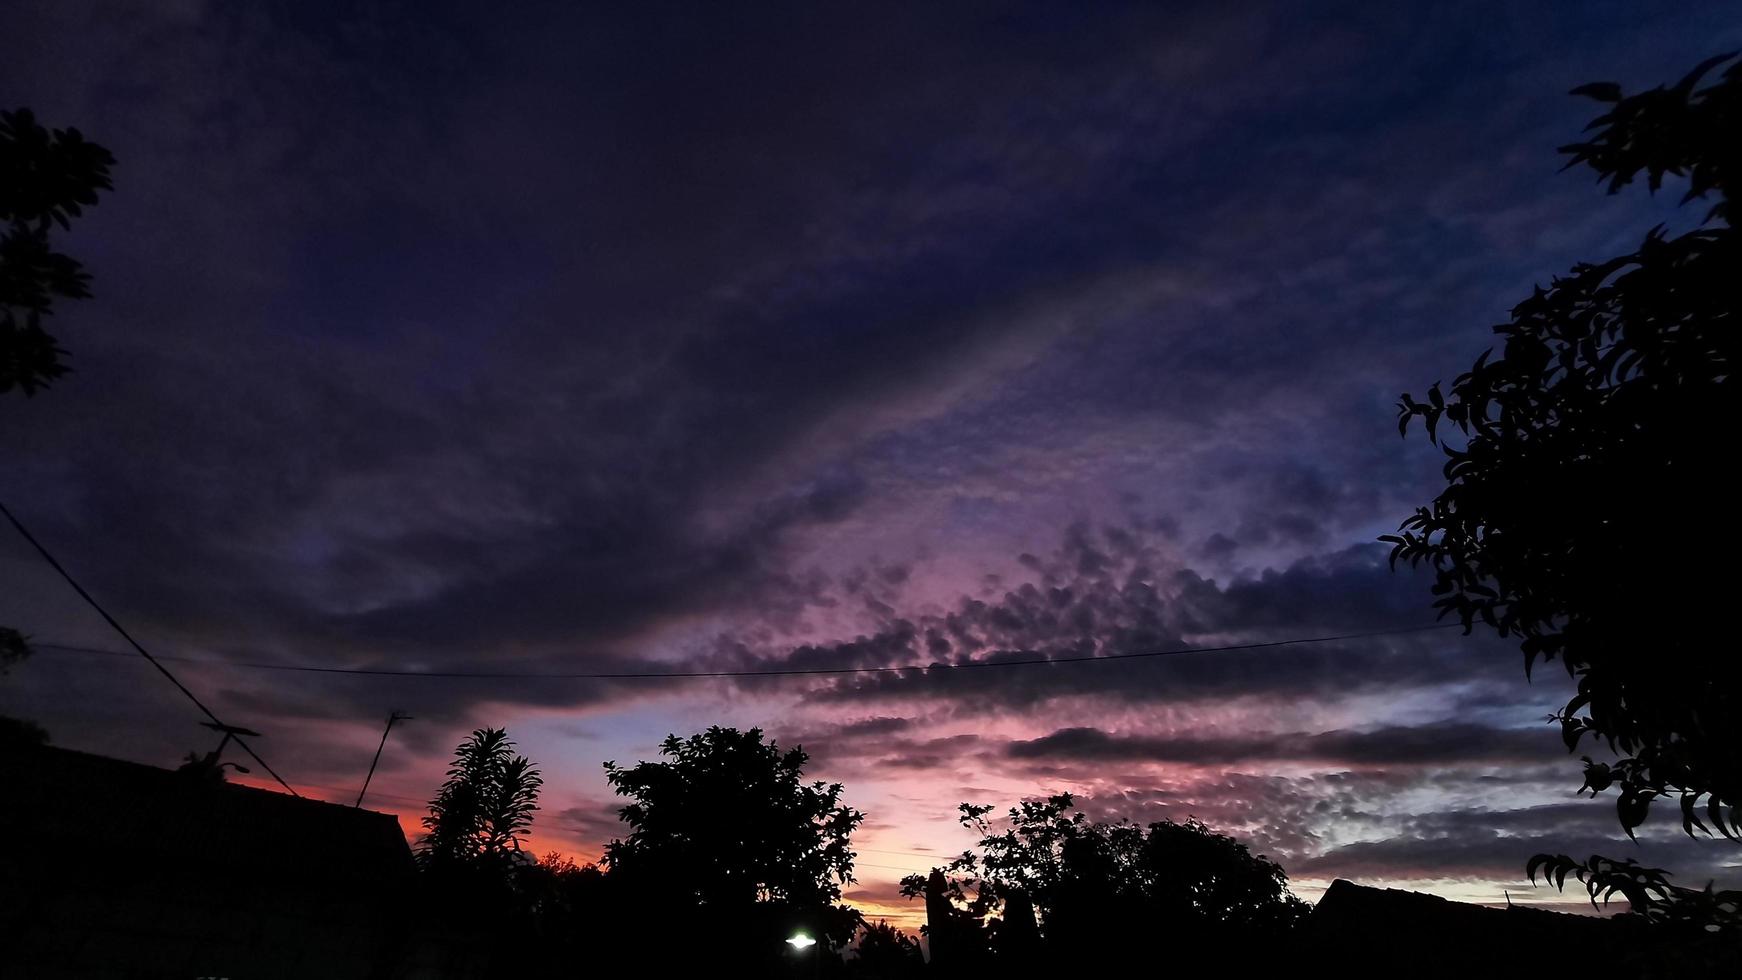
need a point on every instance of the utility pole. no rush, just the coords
(392, 719)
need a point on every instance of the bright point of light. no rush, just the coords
(802, 941)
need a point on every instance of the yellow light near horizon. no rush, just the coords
(802, 941)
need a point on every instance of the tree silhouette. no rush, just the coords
(1211, 879)
(1648, 890)
(482, 812)
(558, 886)
(481, 891)
(16, 732)
(564, 907)
(728, 825)
(1585, 493)
(886, 953)
(14, 648)
(46, 178)
(1100, 888)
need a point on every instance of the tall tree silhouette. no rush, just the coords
(1586, 487)
(1102, 888)
(481, 892)
(14, 647)
(15, 732)
(47, 177)
(728, 824)
(480, 816)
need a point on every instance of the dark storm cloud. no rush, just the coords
(521, 492)
(880, 725)
(439, 336)
(875, 726)
(1481, 853)
(602, 473)
(1287, 817)
(849, 743)
(1226, 773)
(1278, 815)
(1391, 746)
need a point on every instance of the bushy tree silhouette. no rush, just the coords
(727, 830)
(557, 886)
(567, 908)
(46, 178)
(885, 953)
(1586, 483)
(20, 733)
(1103, 889)
(1212, 880)
(480, 816)
(15, 732)
(13, 648)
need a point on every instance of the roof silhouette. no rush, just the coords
(1388, 928)
(146, 809)
(141, 871)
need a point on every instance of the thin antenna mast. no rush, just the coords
(392, 719)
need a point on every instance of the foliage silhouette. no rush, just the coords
(1582, 446)
(206, 769)
(885, 953)
(47, 177)
(563, 908)
(480, 889)
(14, 648)
(1648, 890)
(17, 732)
(481, 814)
(557, 886)
(728, 825)
(1097, 886)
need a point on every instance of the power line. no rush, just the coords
(769, 672)
(94, 604)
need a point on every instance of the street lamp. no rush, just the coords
(802, 941)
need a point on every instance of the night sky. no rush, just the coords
(525, 337)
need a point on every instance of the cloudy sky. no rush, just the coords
(528, 338)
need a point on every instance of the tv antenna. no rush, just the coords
(213, 760)
(230, 734)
